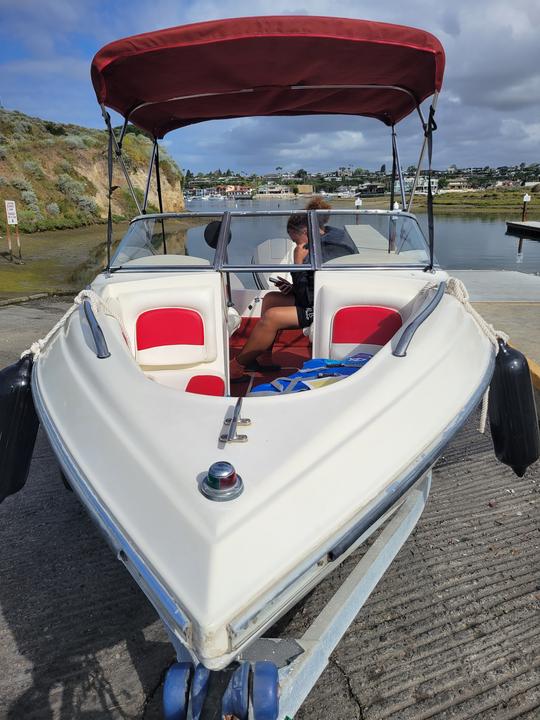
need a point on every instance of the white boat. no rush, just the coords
(133, 387)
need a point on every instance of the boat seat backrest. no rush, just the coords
(353, 316)
(171, 326)
(174, 329)
(362, 328)
(171, 336)
(274, 251)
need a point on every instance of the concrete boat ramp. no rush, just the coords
(451, 632)
(510, 301)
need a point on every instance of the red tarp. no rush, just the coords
(243, 67)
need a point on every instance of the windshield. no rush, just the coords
(365, 239)
(165, 240)
(268, 239)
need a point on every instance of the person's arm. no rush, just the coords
(300, 253)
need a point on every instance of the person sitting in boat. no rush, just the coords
(335, 241)
(292, 306)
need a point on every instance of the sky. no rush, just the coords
(488, 112)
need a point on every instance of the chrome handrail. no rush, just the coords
(412, 327)
(102, 351)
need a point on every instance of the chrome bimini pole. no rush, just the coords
(400, 172)
(118, 152)
(149, 177)
(160, 198)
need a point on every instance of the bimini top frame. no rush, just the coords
(267, 66)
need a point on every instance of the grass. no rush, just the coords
(497, 202)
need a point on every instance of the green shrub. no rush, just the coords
(64, 166)
(3, 153)
(21, 184)
(74, 191)
(3, 181)
(52, 209)
(87, 205)
(54, 128)
(90, 141)
(28, 220)
(71, 188)
(33, 168)
(29, 198)
(74, 141)
(21, 127)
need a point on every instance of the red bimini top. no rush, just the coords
(290, 65)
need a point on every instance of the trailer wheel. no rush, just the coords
(236, 698)
(176, 691)
(199, 687)
(265, 691)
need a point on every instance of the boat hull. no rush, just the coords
(219, 573)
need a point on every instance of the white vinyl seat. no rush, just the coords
(350, 320)
(173, 334)
(274, 251)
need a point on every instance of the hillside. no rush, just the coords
(57, 174)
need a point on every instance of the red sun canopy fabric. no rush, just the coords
(290, 65)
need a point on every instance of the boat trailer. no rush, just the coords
(272, 677)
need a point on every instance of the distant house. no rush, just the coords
(421, 185)
(273, 189)
(236, 191)
(460, 183)
(506, 184)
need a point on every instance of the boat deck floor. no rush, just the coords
(291, 349)
(450, 633)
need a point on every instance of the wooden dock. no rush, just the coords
(527, 229)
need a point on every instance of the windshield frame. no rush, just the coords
(220, 263)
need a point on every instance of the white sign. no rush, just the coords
(11, 212)
(526, 198)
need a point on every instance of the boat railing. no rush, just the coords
(410, 329)
(102, 350)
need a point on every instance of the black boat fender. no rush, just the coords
(512, 411)
(18, 425)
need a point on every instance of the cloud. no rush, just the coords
(486, 113)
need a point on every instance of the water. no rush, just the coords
(461, 242)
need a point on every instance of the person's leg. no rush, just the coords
(274, 319)
(276, 299)
(270, 300)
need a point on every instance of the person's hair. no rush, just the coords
(298, 221)
(318, 203)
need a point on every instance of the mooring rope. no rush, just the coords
(457, 289)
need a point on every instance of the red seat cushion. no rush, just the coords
(365, 324)
(169, 326)
(206, 385)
